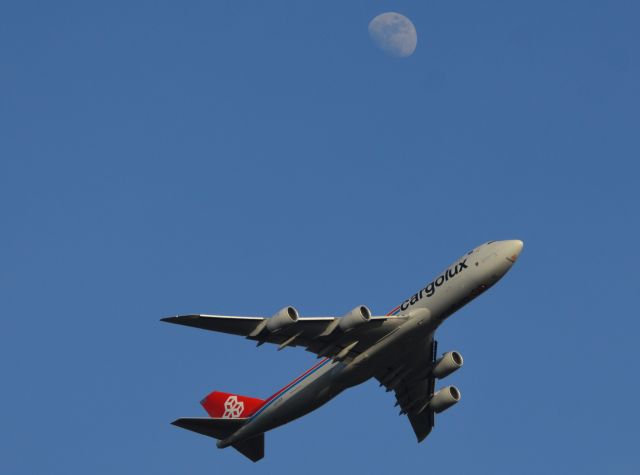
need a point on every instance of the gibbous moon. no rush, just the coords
(394, 34)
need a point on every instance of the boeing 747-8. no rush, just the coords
(398, 349)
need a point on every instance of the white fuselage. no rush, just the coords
(418, 318)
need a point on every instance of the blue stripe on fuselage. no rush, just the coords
(288, 389)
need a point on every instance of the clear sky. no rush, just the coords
(234, 157)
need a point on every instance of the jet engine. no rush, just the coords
(444, 399)
(285, 317)
(354, 318)
(450, 362)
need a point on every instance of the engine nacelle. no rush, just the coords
(450, 362)
(285, 317)
(354, 318)
(444, 399)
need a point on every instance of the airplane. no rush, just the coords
(398, 349)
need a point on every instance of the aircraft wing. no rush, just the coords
(320, 335)
(414, 385)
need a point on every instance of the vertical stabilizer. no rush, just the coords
(230, 406)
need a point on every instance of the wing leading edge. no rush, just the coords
(320, 335)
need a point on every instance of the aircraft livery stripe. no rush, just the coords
(299, 379)
(394, 311)
(290, 386)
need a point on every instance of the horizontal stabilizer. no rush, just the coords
(252, 448)
(217, 428)
(220, 429)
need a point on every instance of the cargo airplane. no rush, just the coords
(397, 349)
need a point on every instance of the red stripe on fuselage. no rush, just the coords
(294, 382)
(311, 369)
(302, 376)
(393, 311)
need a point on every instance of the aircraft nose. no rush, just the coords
(514, 248)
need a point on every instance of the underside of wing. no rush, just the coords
(340, 338)
(413, 380)
(218, 323)
(413, 383)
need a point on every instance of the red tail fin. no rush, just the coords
(230, 406)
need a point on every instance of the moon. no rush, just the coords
(394, 34)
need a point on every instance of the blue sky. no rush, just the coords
(158, 158)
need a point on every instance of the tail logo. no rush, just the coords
(233, 408)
